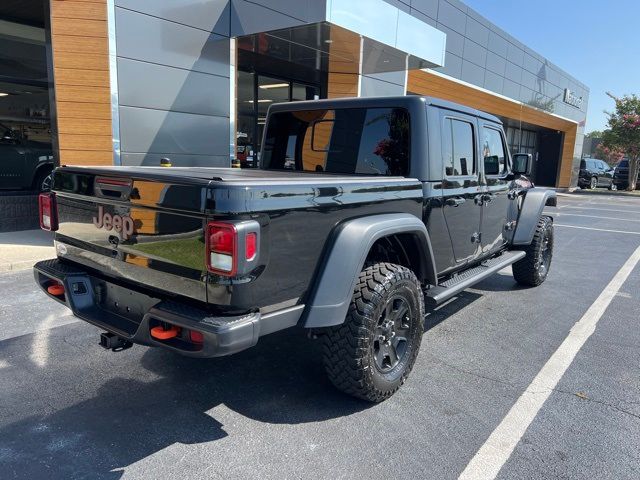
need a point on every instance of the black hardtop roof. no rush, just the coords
(370, 102)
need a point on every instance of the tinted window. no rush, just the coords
(458, 148)
(583, 164)
(368, 141)
(495, 162)
(624, 164)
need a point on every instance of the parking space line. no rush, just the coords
(600, 209)
(489, 460)
(567, 214)
(595, 229)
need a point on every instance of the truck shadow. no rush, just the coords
(279, 381)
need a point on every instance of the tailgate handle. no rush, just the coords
(111, 187)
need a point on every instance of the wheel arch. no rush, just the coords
(41, 167)
(534, 202)
(350, 246)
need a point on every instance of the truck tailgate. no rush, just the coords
(144, 229)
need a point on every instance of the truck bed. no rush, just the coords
(170, 208)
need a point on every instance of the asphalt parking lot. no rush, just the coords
(69, 409)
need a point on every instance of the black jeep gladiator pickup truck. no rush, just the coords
(364, 213)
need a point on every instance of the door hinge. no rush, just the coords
(509, 226)
(476, 237)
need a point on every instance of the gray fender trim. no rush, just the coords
(534, 202)
(330, 299)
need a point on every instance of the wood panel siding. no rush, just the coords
(344, 64)
(425, 83)
(80, 52)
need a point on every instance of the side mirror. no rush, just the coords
(522, 163)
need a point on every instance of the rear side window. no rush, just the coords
(458, 148)
(495, 159)
(365, 141)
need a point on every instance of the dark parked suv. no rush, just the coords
(595, 173)
(621, 175)
(24, 164)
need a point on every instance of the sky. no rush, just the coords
(595, 41)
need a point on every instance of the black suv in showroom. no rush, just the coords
(24, 164)
(595, 173)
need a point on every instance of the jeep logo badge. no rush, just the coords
(121, 224)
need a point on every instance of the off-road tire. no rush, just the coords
(528, 271)
(349, 349)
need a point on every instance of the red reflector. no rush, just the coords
(196, 337)
(48, 212)
(251, 245)
(222, 247)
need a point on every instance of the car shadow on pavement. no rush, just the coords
(281, 380)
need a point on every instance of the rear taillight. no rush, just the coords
(48, 211)
(222, 248)
(232, 248)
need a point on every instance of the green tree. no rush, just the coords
(594, 134)
(623, 133)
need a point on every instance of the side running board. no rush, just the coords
(443, 292)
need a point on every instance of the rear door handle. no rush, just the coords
(455, 202)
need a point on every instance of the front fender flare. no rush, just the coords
(332, 291)
(534, 202)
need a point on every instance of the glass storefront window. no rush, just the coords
(255, 94)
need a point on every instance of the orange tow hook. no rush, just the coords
(160, 333)
(57, 289)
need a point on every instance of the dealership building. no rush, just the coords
(128, 82)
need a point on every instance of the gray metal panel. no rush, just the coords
(452, 65)
(177, 160)
(452, 17)
(534, 202)
(151, 39)
(513, 72)
(373, 87)
(400, 5)
(493, 82)
(515, 54)
(173, 89)
(511, 89)
(425, 18)
(477, 32)
(300, 9)
(428, 7)
(248, 18)
(496, 63)
(455, 41)
(532, 64)
(529, 80)
(332, 293)
(210, 15)
(472, 73)
(474, 53)
(498, 45)
(157, 131)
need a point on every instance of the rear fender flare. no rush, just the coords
(332, 291)
(534, 202)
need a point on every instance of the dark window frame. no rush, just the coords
(507, 156)
(475, 163)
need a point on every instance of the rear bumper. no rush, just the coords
(132, 314)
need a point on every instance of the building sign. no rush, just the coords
(572, 99)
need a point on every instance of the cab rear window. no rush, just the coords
(364, 141)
